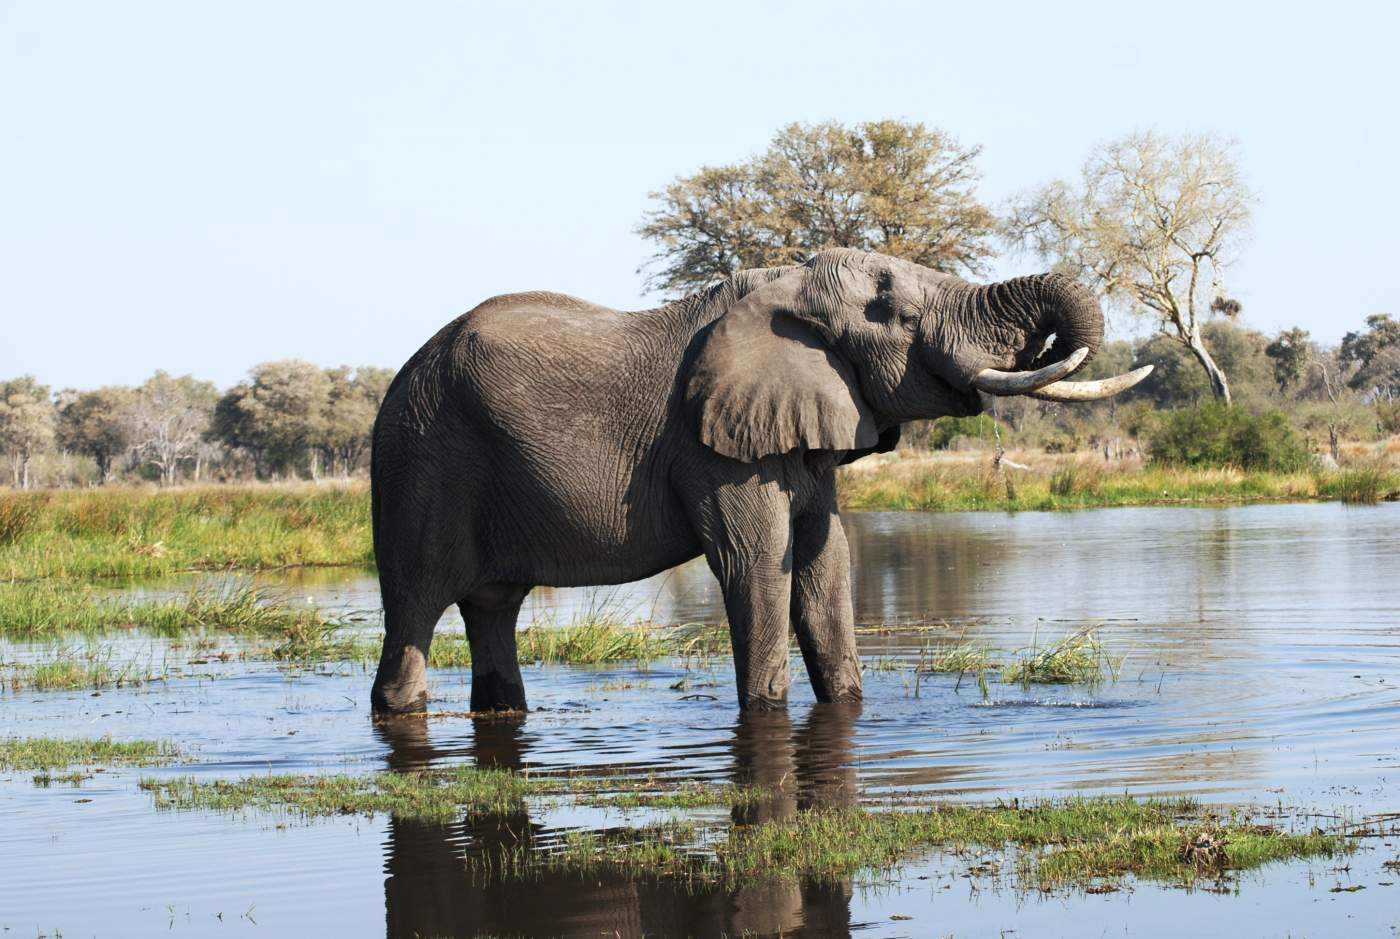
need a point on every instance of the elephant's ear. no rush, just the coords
(763, 382)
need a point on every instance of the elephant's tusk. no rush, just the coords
(998, 382)
(1091, 390)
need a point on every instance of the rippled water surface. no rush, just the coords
(1261, 664)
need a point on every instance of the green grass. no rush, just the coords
(146, 532)
(73, 669)
(1364, 484)
(1068, 842)
(934, 485)
(592, 640)
(131, 532)
(1078, 658)
(1075, 842)
(432, 796)
(50, 753)
(47, 609)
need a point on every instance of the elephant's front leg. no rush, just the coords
(748, 542)
(822, 613)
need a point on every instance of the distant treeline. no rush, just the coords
(290, 418)
(294, 419)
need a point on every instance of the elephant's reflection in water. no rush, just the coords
(429, 891)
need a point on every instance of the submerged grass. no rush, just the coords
(590, 640)
(72, 669)
(1071, 843)
(49, 753)
(1077, 658)
(431, 796)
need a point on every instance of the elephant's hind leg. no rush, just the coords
(490, 613)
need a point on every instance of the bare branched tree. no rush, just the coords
(169, 419)
(1154, 223)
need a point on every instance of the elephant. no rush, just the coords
(539, 439)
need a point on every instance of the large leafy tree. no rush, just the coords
(278, 415)
(898, 188)
(1292, 353)
(1375, 351)
(351, 406)
(1153, 222)
(100, 424)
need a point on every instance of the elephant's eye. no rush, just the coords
(881, 309)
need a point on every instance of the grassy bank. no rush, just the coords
(936, 484)
(121, 532)
(148, 532)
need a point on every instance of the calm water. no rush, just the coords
(1262, 651)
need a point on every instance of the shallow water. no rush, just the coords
(1262, 665)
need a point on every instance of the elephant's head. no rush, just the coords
(828, 354)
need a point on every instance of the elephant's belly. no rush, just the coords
(557, 542)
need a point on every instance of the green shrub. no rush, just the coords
(1217, 435)
(947, 429)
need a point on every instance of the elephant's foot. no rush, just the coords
(496, 692)
(401, 684)
(762, 702)
(836, 682)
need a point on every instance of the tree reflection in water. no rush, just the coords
(428, 890)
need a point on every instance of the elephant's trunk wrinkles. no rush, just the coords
(1021, 314)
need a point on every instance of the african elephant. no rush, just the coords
(542, 440)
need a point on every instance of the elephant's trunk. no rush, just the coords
(1008, 323)
(1025, 311)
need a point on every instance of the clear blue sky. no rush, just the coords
(202, 186)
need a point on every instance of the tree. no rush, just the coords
(1292, 354)
(26, 424)
(1177, 380)
(901, 189)
(351, 406)
(279, 415)
(1154, 224)
(170, 416)
(98, 424)
(1376, 354)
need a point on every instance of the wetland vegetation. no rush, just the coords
(1071, 842)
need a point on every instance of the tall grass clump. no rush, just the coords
(1362, 484)
(1079, 658)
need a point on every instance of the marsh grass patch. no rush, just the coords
(432, 795)
(51, 753)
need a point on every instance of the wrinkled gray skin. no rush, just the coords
(540, 439)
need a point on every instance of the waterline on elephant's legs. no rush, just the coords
(496, 681)
(401, 683)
